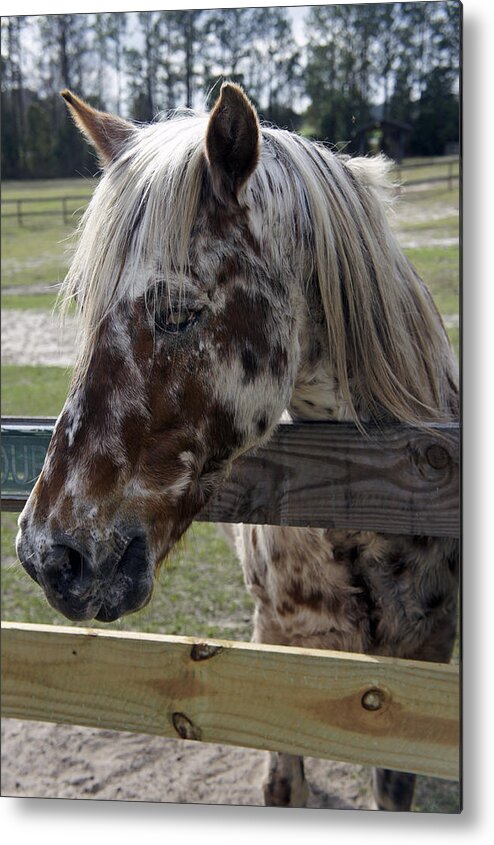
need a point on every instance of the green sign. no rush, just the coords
(23, 454)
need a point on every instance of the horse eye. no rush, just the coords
(176, 320)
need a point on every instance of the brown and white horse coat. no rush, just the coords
(226, 274)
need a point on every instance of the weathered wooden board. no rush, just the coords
(396, 479)
(368, 710)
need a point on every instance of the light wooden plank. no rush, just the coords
(398, 479)
(286, 699)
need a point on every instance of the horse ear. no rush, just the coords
(232, 141)
(106, 132)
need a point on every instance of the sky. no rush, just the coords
(31, 46)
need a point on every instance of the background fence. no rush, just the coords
(445, 169)
(412, 174)
(66, 207)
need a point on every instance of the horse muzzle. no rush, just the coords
(80, 586)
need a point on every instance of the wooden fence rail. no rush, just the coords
(370, 710)
(452, 172)
(64, 211)
(397, 479)
(356, 708)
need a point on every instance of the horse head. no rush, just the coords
(187, 357)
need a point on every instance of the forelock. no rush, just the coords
(139, 220)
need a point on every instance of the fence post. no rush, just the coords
(19, 212)
(64, 209)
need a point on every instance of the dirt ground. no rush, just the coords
(43, 760)
(35, 338)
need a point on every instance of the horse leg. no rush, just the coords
(393, 791)
(285, 784)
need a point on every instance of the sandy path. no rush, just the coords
(42, 760)
(35, 337)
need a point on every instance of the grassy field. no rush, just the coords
(34, 391)
(437, 170)
(36, 254)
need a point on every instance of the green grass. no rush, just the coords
(439, 267)
(29, 301)
(18, 189)
(429, 200)
(36, 253)
(440, 227)
(433, 795)
(34, 391)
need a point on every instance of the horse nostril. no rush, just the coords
(68, 572)
(76, 562)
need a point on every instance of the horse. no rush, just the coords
(226, 274)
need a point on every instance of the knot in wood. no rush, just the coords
(203, 651)
(437, 456)
(373, 699)
(185, 727)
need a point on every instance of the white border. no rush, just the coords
(46, 821)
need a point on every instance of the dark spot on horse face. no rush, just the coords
(245, 324)
(223, 436)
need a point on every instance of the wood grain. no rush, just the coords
(272, 697)
(396, 479)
